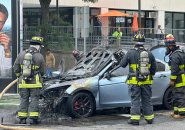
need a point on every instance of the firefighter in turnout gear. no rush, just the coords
(142, 68)
(29, 67)
(177, 78)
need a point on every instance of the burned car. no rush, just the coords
(94, 84)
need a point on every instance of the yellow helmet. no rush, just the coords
(36, 40)
(139, 38)
(169, 36)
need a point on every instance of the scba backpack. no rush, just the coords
(142, 71)
(27, 69)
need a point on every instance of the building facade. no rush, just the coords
(170, 14)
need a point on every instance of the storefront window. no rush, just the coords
(178, 24)
(168, 23)
(32, 17)
(174, 23)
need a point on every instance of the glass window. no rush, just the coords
(178, 23)
(32, 17)
(160, 67)
(168, 23)
(120, 71)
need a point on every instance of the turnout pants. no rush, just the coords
(29, 105)
(179, 100)
(141, 96)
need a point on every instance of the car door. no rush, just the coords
(113, 92)
(162, 76)
(160, 82)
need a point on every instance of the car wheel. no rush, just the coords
(81, 105)
(168, 99)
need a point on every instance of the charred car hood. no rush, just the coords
(56, 84)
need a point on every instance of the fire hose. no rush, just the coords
(6, 127)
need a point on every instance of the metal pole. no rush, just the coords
(57, 9)
(76, 27)
(139, 8)
(84, 27)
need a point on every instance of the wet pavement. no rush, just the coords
(109, 120)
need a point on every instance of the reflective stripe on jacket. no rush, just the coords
(34, 83)
(37, 67)
(176, 64)
(132, 79)
(131, 58)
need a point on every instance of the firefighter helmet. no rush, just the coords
(76, 53)
(170, 40)
(36, 40)
(139, 38)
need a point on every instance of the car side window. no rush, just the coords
(120, 71)
(160, 67)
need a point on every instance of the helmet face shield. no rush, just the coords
(169, 42)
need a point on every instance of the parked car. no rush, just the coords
(94, 84)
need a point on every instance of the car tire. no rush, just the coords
(81, 105)
(168, 99)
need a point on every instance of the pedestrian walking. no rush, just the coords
(29, 67)
(142, 66)
(50, 63)
(177, 78)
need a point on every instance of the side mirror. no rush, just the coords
(107, 75)
(44, 77)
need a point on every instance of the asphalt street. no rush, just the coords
(109, 120)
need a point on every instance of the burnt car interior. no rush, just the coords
(92, 63)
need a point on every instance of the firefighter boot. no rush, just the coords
(34, 121)
(173, 114)
(149, 121)
(22, 121)
(133, 122)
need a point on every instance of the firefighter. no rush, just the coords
(177, 78)
(77, 54)
(139, 85)
(30, 84)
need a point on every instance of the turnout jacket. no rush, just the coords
(131, 58)
(177, 66)
(38, 69)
